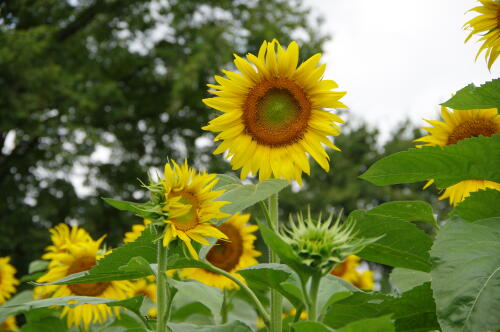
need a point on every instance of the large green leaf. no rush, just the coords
(245, 195)
(235, 326)
(471, 158)
(466, 275)
(130, 261)
(331, 290)
(482, 204)
(227, 182)
(471, 97)
(414, 310)
(379, 324)
(406, 211)
(210, 297)
(133, 304)
(401, 244)
(405, 279)
(148, 210)
(264, 276)
(308, 326)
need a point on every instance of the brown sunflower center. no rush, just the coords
(472, 128)
(87, 289)
(276, 112)
(190, 218)
(226, 254)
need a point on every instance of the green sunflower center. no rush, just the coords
(226, 254)
(87, 289)
(276, 112)
(473, 128)
(189, 219)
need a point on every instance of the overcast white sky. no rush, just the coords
(400, 58)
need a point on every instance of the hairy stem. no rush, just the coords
(162, 288)
(276, 298)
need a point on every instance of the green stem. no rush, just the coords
(225, 304)
(162, 287)
(258, 304)
(313, 293)
(276, 298)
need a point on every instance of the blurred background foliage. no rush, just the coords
(95, 93)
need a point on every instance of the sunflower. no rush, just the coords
(146, 287)
(458, 125)
(231, 255)
(136, 231)
(9, 324)
(274, 113)
(487, 24)
(77, 258)
(348, 270)
(8, 281)
(190, 206)
(61, 237)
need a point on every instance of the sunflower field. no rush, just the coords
(215, 252)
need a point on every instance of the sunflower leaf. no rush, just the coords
(148, 210)
(307, 326)
(475, 158)
(479, 205)
(414, 310)
(406, 211)
(472, 97)
(235, 326)
(401, 243)
(264, 276)
(466, 275)
(131, 261)
(406, 279)
(245, 195)
(71, 301)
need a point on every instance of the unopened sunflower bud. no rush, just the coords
(322, 244)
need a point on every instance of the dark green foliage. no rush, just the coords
(125, 75)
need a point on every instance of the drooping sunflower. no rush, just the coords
(190, 206)
(274, 113)
(146, 287)
(136, 231)
(487, 24)
(235, 253)
(458, 125)
(8, 281)
(81, 257)
(348, 270)
(61, 237)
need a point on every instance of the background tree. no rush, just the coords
(95, 93)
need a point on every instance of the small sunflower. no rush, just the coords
(487, 24)
(61, 237)
(8, 281)
(146, 287)
(9, 324)
(231, 255)
(348, 270)
(136, 231)
(458, 125)
(77, 258)
(274, 113)
(190, 206)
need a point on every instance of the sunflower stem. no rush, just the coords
(260, 308)
(276, 298)
(162, 287)
(225, 304)
(313, 294)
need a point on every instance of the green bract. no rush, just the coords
(322, 244)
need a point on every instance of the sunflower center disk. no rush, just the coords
(276, 112)
(472, 128)
(226, 254)
(87, 289)
(190, 219)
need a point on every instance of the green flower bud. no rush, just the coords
(322, 244)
